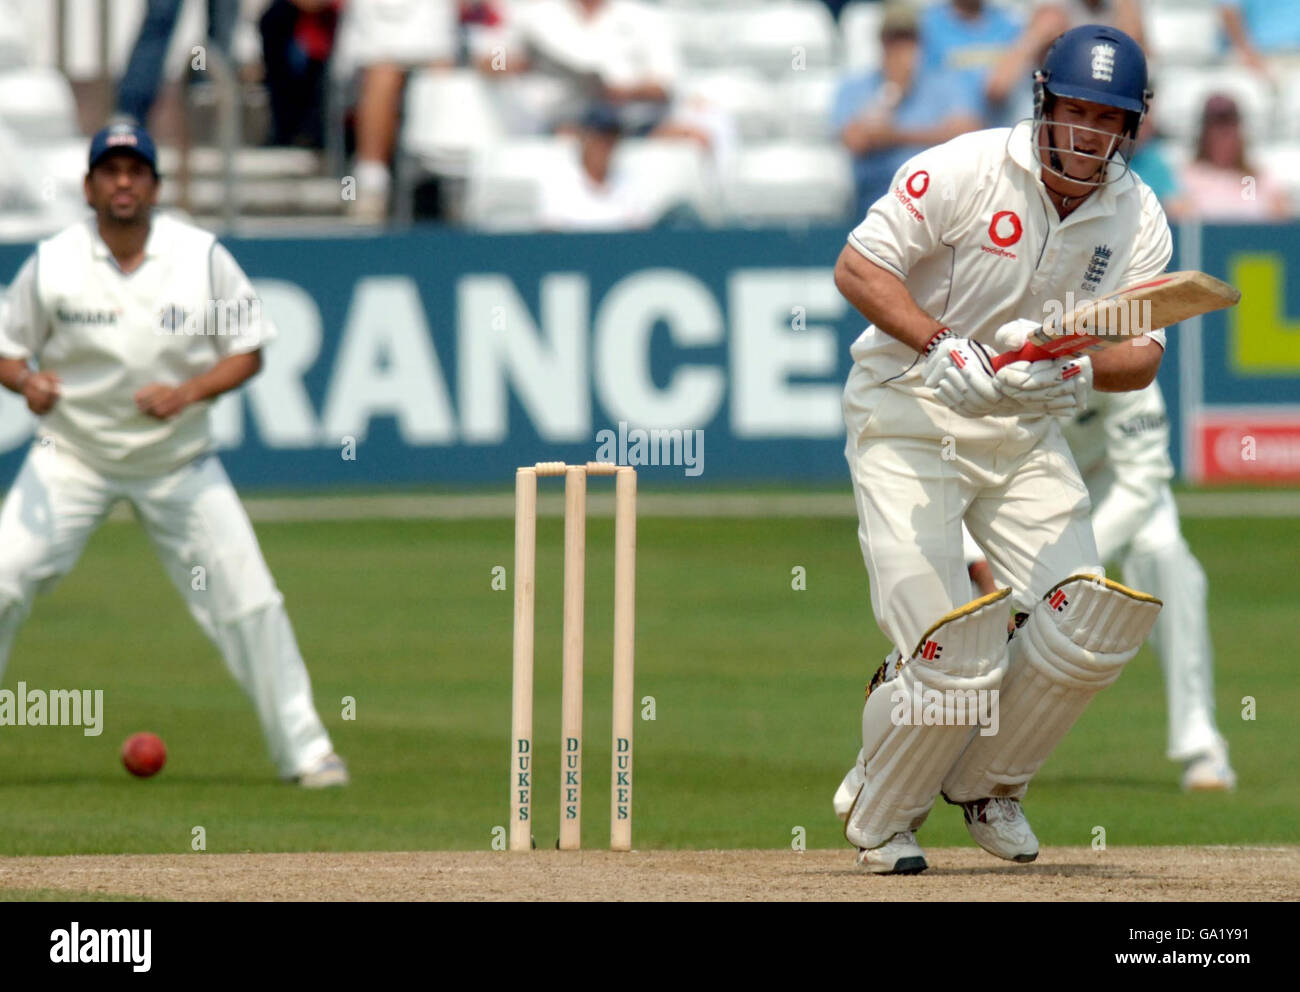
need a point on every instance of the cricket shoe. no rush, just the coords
(999, 826)
(1209, 772)
(900, 855)
(329, 772)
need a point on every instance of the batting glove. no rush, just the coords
(1012, 336)
(1057, 388)
(960, 372)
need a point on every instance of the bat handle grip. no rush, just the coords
(1028, 353)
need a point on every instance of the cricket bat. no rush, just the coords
(1123, 315)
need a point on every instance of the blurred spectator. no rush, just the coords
(477, 15)
(886, 117)
(620, 52)
(1260, 29)
(138, 89)
(593, 196)
(1152, 167)
(694, 117)
(1126, 15)
(836, 6)
(390, 37)
(31, 207)
(978, 40)
(297, 38)
(1221, 183)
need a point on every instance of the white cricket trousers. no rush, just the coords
(201, 533)
(1143, 532)
(919, 469)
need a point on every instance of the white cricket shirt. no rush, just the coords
(405, 32)
(623, 43)
(570, 200)
(972, 233)
(106, 333)
(1121, 446)
(1130, 431)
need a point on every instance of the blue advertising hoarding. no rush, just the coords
(439, 356)
(449, 357)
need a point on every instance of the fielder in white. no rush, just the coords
(1121, 445)
(978, 240)
(99, 336)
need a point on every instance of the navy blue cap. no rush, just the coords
(124, 137)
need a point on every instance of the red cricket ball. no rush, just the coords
(144, 754)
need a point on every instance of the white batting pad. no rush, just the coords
(1075, 643)
(909, 746)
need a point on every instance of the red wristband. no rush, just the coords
(940, 335)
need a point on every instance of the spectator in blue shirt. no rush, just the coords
(1258, 29)
(985, 45)
(886, 117)
(1123, 14)
(1151, 164)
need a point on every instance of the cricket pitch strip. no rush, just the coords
(1226, 874)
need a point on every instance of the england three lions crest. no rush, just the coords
(1103, 62)
(1096, 269)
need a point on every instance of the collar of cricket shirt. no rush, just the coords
(153, 244)
(1104, 201)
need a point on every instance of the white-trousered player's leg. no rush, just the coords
(910, 498)
(916, 721)
(1036, 529)
(52, 508)
(1075, 642)
(910, 504)
(204, 538)
(917, 468)
(848, 788)
(1160, 562)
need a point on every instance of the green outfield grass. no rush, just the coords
(756, 694)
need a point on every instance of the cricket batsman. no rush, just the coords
(978, 241)
(119, 332)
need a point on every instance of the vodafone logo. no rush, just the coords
(918, 183)
(1005, 228)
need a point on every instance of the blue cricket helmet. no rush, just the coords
(1099, 64)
